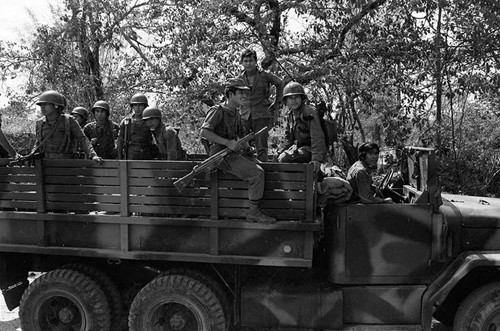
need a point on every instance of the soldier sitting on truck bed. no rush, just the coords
(221, 128)
(58, 134)
(304, 137)
(360, 176)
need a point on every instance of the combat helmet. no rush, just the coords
(151, 112)
(101, 104)
(139, 98)
(52, 97)
(294, 88)
(80, 111)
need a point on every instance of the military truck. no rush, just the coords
(116, 246)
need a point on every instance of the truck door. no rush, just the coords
(380, 244)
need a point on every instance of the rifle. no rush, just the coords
(181, 183)
(27, 158)
(125, 139)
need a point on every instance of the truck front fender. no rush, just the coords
(437, 292)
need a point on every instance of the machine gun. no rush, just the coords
(212, 161)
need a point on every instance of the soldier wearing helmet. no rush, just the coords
(103, 132)
(58, 134)
(135, 141)
(360, 175)
(165, 137)
(304, 137)
(80, 114)
(259, 111)
(222, 128)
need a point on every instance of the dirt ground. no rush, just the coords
(9, 320)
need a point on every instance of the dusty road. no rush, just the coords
(9, 320)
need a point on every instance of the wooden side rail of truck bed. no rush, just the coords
(131, 209)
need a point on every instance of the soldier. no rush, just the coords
(259, 111)
(360, 176)
(166, 137)
(135, 140)
(8, 150)
(81, 115)
(103, 132)
(57, 134)
(304, 137)
(221, 128)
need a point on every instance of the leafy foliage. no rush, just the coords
(396, 72)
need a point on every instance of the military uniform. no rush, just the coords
(139, 140)
(105, 137)
(58, 140)
(227, 124)
(168, 143)
(360, 178)
(304, 137)
(255, 115)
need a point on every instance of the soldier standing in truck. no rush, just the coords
(135, 141)
(222, 127)
(259, 111)
(57, 134)
(80, 114)
(165, 137)
(103, 132)
(360, 176)
(304, 137)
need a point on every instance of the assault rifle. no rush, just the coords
(212, 161)
(27, 159)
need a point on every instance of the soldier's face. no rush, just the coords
(78, 118)
(100, 115)
(240, 97)
(47, 109)
(372, 158)
(294, 102)
(138, 108)
(153, 123)
(249, 63)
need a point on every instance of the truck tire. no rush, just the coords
(480, 310)
(176, 302)
(108, 287)
(64, 300)
(213, 285)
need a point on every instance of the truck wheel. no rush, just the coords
(480, 310)
(64, 300)
(176, 302)
(108, 287)
(214, 287)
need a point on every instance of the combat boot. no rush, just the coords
(256, 215)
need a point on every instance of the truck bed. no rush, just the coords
(131, 210)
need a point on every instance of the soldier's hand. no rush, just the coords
(97, 159)
(234, 145)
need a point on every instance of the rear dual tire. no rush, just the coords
(64, 300)
(180, 302)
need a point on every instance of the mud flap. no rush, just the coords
(13, 278)
(13, 294)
